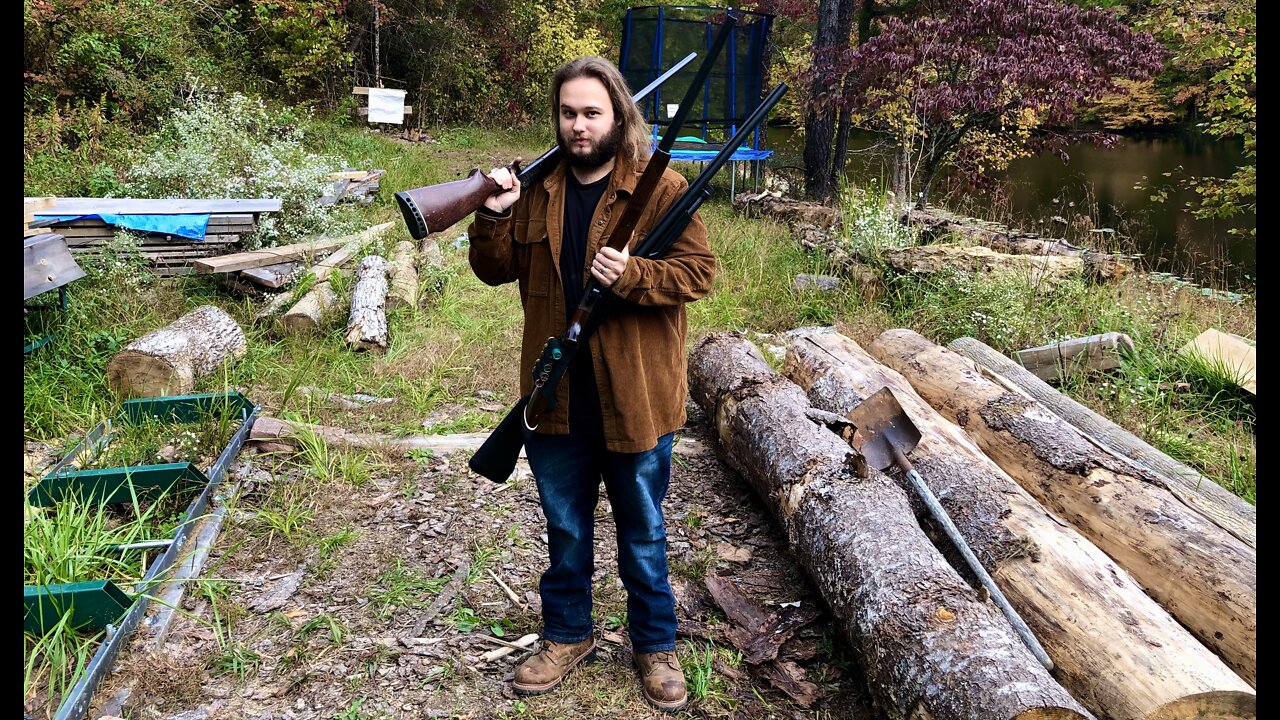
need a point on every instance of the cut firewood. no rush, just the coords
(1117, 650)
(1197, 571)
(1078, 356)
(404, 278)
(930, 647)
(168, 361)
(310, 313)
(367, 326)
(1222, 507)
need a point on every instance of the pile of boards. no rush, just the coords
(230, 221)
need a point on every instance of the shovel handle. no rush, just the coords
(939, 514)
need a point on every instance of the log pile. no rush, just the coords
(352, 186)
(887, 571)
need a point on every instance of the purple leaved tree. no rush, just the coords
(967, 83)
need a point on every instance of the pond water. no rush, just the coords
(1095, 190)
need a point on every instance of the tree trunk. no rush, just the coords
(819, 122)
(308, 314)
(404, 278)
(1114, 647)
(168, 361)
(1195, 490)
(1203, 576)
(367, 327)
(929, 647)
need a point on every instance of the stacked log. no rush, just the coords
(1114, 648)
(1198, 572)
(169, 360)
(1210, 499)
(930, 647)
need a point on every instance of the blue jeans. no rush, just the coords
(568, 469)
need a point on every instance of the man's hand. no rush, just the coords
(507, 196)
(609, 265)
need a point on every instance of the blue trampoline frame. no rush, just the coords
(755, 155)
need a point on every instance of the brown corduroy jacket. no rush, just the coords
(639, 351)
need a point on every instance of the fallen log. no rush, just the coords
(1117, 651)
(169, 360)
(1213, 501)
(929, 646)
(1197, 571)
(1077, 355)
(310, 313)
(404, 278)
(975, 259)
(787, 210)
(935, 224)
(367, 326)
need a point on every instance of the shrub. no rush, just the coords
(235, 147)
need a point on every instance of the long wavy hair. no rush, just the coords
(635, 132)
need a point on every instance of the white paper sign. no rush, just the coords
(672, 109)
(386, 106)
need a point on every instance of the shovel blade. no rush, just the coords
(883, 426)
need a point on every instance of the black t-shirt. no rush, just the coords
(579, 206)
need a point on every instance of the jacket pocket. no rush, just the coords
(535, 257)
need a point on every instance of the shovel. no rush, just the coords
(885, 434)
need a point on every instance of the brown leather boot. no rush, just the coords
(543, 671)
(663, 680)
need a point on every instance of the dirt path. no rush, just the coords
(316, 619)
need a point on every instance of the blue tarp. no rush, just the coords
(191, 226)
(708, 155)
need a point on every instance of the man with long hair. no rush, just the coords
(623, 397)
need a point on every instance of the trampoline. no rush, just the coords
(654, 37)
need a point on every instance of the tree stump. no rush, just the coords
(1203, 576)
(929, 646)
(367, 326)
(1114, 648)
(168, 361)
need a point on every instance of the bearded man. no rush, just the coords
(616, 416)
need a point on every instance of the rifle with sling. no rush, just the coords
(496, 458)
(436, 207)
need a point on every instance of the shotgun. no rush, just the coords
(436, 207)
(496, 458)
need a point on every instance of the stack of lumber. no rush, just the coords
(1145, 604)
(230, 220)
(30, 226)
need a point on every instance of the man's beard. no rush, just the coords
(601, 151)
